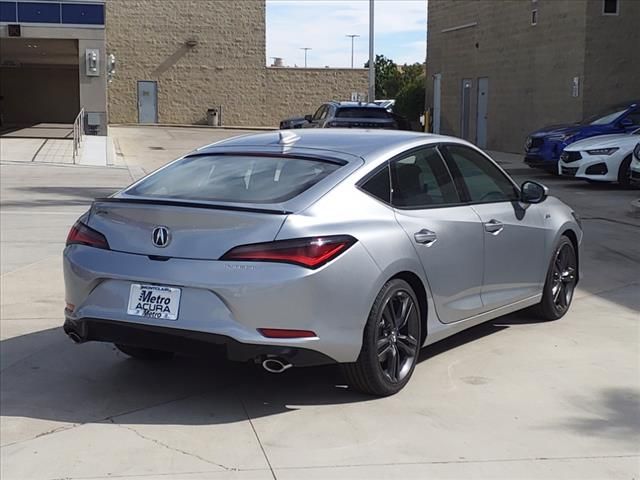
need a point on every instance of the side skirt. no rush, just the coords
(446, 330)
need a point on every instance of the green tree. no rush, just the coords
(388, 81)
(410, 100)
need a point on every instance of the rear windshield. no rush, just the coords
(231, 178)
(356, 112)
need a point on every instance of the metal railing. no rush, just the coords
(78, 133)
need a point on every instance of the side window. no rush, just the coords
(484, 181)
(421, 179)
(379, 185)
(634, 117)
(320, 112)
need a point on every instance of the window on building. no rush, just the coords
(534, 17)
(610, 7)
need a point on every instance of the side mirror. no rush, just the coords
(533, 192)
(308, 117)
(626, 122)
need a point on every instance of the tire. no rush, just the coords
(391, 342)
(560, 283)
(147, 354)
(624, 173)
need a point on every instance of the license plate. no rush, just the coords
(154, 301)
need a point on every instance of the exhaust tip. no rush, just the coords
(276, 365)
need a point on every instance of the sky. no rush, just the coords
(322, 25)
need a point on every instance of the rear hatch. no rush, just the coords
(210, 202)
(197, 232)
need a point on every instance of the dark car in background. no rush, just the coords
(543, 147)
(347, 115)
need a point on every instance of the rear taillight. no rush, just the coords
(80, 234)
(310, 252)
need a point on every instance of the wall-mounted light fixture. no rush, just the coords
(92, 58)
(191, 43)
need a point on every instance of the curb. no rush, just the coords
(182, 125)
(635, 208)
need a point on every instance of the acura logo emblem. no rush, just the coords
(160, 236)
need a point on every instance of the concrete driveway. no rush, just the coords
(513, 398)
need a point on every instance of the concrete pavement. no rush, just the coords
(513, 398)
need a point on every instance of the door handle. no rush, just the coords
(493, 226)
(425, 237)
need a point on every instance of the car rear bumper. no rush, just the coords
(187, 342)
(232, 299)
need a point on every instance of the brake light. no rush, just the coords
(80, 234)
(310, 252)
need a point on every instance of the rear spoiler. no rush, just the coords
(181, 203)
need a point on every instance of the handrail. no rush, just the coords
(78, 133)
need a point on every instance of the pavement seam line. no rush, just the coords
(19, 269)
(255, 432)
(454, 462)
(98, 420)
(174, 449)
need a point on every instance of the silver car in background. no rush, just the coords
(325, 246)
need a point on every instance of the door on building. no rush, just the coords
(147, 101)
(482, 112)
(437, 79)
(465, 107)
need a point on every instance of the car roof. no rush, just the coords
(366, 144)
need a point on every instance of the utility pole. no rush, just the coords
(352, 37)
(305, 55)
(372, 60)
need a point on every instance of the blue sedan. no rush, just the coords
(543, 147)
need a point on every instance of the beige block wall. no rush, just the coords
(299, 91)
(612, 57)
(530, 68)
(226, 67)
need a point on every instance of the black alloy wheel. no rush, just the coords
(391, 342)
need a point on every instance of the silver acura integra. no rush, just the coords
(323, 246)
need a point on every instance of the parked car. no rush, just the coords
(605, 158)
(345, 115)
(247, 244)
(635, 166)
(543, 147)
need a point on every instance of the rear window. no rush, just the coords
(356, 112)
(235, 178)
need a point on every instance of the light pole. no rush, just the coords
(372, 63)
(352, 36)
(305, 55)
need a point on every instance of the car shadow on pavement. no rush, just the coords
(46, 376)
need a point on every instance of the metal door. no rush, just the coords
(437, 78)
(465, 103)
(482, 110)
(147, 101)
